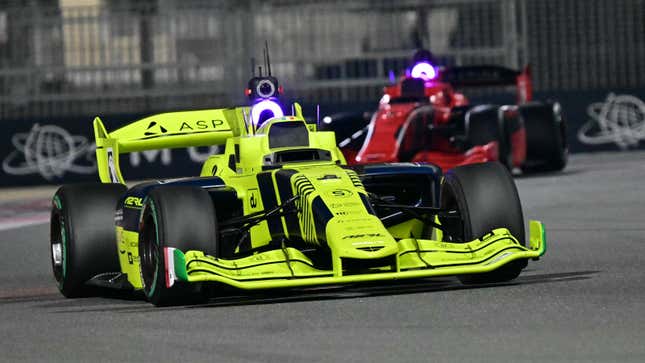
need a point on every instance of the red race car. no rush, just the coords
(423, 118)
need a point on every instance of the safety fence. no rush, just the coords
(144, 56)
(130, 57)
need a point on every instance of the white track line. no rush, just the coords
(14, 223)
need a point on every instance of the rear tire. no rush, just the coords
(486, 198)
(82, 235)
(546, 142)
(484, 125)
(182, 217)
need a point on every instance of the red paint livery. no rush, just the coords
(425, 119)
(392, 135)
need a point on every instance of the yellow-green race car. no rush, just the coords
(279, 208)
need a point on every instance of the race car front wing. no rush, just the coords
(417, 258)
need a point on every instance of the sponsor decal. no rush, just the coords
(329, 177)
(353, 220)
(118, 216)
(133, 202)
(619, 120)
(253, 198)
(358, 227)
(200, 125)
(196, 154)
(151, 156)
(155, 129)
(50, 151)
(363, 243)
(341, 193)
(341, 205)
(363, 235)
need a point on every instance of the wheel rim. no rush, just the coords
(57, 246)
(149, 254)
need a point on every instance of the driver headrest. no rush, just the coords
(288, 134)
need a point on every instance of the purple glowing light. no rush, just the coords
(265, 105)
(423, 70)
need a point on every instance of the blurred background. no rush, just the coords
(64, 62)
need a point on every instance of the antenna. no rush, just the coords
(318, 115)
(260, 70)
(253, 66)
(266, 52)
(264, 55)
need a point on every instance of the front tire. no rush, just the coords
(82, 235)
(486, 198)
(181, 217)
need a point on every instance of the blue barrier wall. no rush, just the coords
(62, 151)
(57, 151)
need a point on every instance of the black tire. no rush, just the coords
(82, 235)
(546, 141)
(484, 124)
(182, 217)
(486, 198)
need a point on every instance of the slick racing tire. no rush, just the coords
(182, 217)
(486, 198)
(484, 125)
(546, 142)
(82, 235)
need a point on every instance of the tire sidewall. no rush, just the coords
(66, 282)
(83, 219)
(546, 140)
(467, 187)
(149, 215)
(169, 213)
(487, 198)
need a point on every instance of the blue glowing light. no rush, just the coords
(262, 106)
(423, 70)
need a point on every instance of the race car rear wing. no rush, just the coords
(489, 75)
(164, 131)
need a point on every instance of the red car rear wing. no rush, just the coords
(489, 75)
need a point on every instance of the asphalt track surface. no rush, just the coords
(584, 301)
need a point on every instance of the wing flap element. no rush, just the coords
(164, 131)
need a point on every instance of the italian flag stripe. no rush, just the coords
(169, 263)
